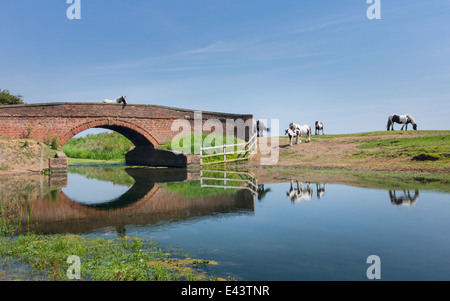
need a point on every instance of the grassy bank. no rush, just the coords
(103, 146)
(112, 147)
(428, 148)
(40, 257)
(412, 152)
(23, 155)
(189, 144)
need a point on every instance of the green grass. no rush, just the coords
(121, 259)
(103, 146)
(424, 148)
(204, 138)
(114, 146)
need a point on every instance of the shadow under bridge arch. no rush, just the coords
(144, 152)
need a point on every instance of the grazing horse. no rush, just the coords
(304, 130)
(402, 119)
(300, 194)
(260, 128)
(121, 99)
(291, 134)
(319, 127)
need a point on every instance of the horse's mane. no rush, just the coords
(411, 118)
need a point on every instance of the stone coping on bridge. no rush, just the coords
(49, 104)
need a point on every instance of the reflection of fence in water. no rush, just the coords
(227, 179)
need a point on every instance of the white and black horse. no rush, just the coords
(260, 128)
(319, 127)
(305, 130)
(401, 119)
(291, 134)
(121, 99)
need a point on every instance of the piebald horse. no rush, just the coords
(291, 134)
(303, 129)
(121, 99)
(319, 127)
(260, 128)
(402, 119)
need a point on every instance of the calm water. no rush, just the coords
(282, 231)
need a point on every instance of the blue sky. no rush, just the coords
(290, 60)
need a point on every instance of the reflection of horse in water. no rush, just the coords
(405, 199)
(320, 190)
(299, 194)
(262, 191)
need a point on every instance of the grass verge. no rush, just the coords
(103, 146)
(121, 259)
(189, 144)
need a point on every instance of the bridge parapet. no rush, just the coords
(147, 126)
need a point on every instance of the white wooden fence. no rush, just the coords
(245, 149)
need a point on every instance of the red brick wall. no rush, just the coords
(142, 123)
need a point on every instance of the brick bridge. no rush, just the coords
(146, 126)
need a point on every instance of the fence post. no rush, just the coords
(224, 152)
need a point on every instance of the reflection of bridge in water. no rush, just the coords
(149, 201)
(155, 198)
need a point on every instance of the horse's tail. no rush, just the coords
(389, 122)
(268, 130)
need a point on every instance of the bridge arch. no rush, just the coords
(136, 134)
(144, 152)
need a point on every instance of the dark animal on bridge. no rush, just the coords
(260, 128)
(401, 119)
(121, 99)
(319, 127)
